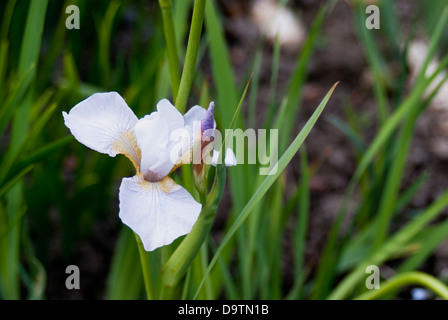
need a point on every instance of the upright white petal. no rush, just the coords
(167, 111)
(194, 127)
(192, 119)
(158, 212)
(191, 132)
(104, 123)
(153, 134)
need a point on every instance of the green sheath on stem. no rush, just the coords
(177, 265)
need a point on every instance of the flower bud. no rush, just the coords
(202, 148)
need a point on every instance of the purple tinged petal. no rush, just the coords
(209, 119)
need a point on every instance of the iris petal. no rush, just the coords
(199, 122)
(208, 122)
(153, 134)
(191, 130)
(104, 122)
(159, 212)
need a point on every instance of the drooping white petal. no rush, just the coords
(230, 159)
(104, 123)
(159, 212)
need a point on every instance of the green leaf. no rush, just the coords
(287, 115)
(269, 180)
(14, 153)
(179, 262)
(125, 279)
(395, 244)
(105, 35)
(28, 58)
(221, 66)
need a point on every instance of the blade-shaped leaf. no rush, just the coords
(269, 180)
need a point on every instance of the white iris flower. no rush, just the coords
(151, 203)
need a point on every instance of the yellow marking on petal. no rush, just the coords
(166, 185)
(175, 167)
(127, 145)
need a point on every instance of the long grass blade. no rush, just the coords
(269, 180)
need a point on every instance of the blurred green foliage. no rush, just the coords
(56, 194)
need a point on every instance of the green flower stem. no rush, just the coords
(191, 55)
(171, 48)
(404, 279)
(146, 268)
(177, 265)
